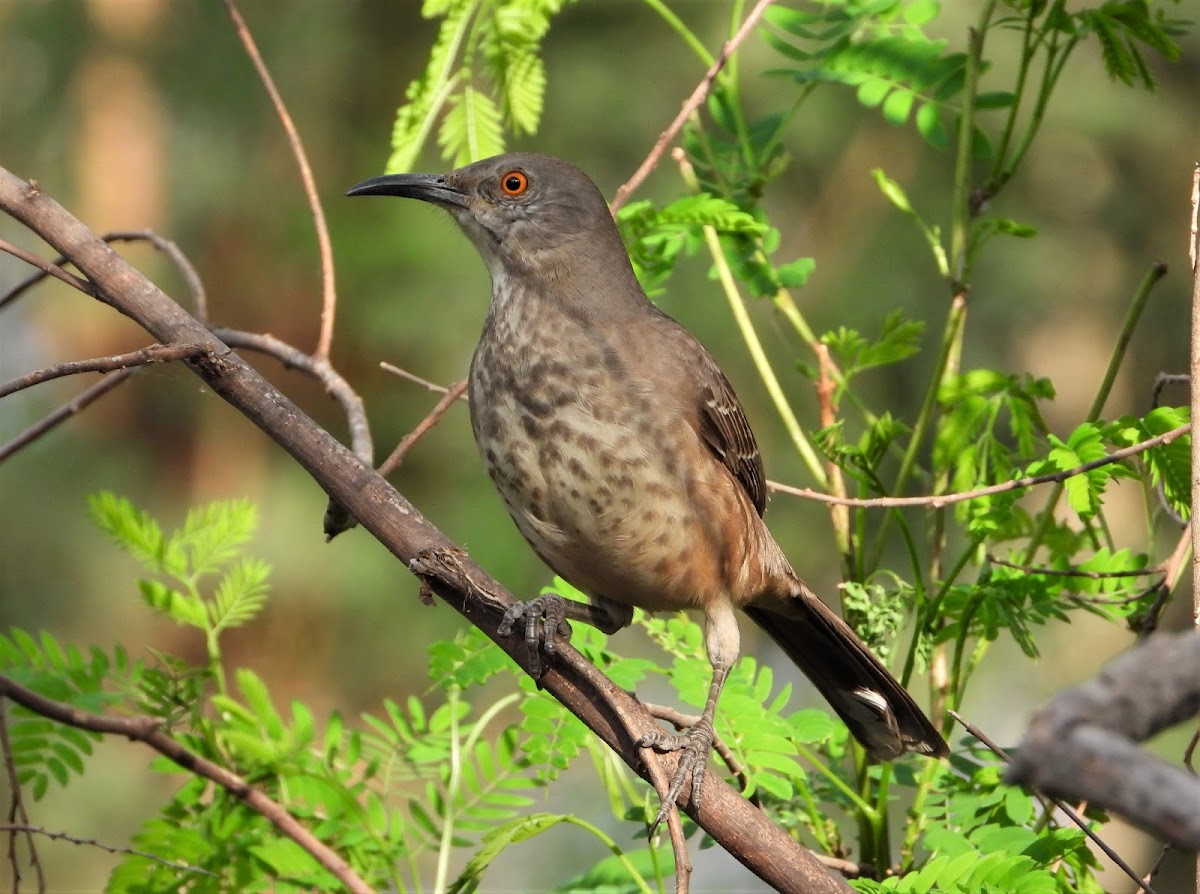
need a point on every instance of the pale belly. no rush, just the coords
(605, 508)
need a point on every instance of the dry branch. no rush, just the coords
(147, 730)
(1082, 745)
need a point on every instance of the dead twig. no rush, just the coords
(662, 783)
(413, 377)
(17, 811)
(690, 105)
(1065, 808)
(321, 370)
(147, 731)
(47, 269)
(141, 357)
(324, 247)
(92, 842)
(453, 393)
(66, 411)
(937, 501)
(172, 251)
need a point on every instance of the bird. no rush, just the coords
(626, 459)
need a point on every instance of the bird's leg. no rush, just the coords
(722, 641)
(547, 615)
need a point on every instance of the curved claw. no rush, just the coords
(551, 610)
(695, 744)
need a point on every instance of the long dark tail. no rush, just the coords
(879, 713)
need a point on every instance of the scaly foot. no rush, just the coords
(695, 744)
(551, 610)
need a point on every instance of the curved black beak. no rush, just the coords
(426, 187)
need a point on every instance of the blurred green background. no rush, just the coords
(146, 113)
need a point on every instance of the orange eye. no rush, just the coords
(514, 183)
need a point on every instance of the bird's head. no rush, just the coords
(522, 211)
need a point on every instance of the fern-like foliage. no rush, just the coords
(44, 751)
(484, 77)
(208, 544)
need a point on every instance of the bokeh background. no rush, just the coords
(146, 113)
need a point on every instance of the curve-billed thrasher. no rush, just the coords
(624, 456)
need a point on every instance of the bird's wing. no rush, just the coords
(726, 431)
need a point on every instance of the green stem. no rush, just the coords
(212, 646)
(1156, 272)
(954, 694)
(1056, 59)
(1027, 45)
(676, 24)
(612, 846)
(961, 213)
(816, 820)
(862, 806)
(917, 815)
(883, 846)
(754, 345)
(924, 622)
(446, 844)
(950, 348)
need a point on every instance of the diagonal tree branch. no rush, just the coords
(613, 714)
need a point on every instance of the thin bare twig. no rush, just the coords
(49, 269)
(147, 730)
(16, 810)
(1075, 572)
(1194, 371)
(328, 287)
(413, 377)
(66, 411)
(453, 393)
(1065, 808)
(937, 501)
(92, 842)
(1162, 381)
(662, 785)
(1172, 569)
(142, 357)
(190, 277)
(689, 106)
(321, 370)
(337, 520)
(1156, 866)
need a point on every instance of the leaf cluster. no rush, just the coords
(484, 77)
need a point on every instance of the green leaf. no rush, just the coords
(240, 595)
(494, 843)
(921, 12)
(213, 534)
(180, 607)
(427, 95)
(795, 274)
(930, 127)
(136, 531)
(897, 107)
(871, 92)
(811, 726)
(1001, 99)
(471, 129)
